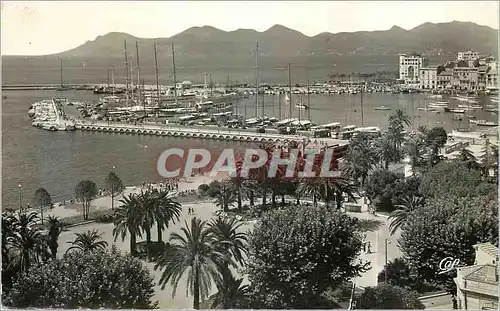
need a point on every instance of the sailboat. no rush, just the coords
(62, 87)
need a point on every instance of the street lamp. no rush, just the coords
(387, 241)
(20, 196)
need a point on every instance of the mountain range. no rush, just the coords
(232, 53)
(280, 41)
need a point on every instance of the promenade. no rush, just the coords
(205, 210)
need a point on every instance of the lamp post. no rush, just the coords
(113, 192)
(386, 242)
(20, 196)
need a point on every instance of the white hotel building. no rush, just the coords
(409, 67)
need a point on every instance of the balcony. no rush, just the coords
(478, 287)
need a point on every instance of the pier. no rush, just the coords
(200, 133)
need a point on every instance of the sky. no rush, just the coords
(46, 27)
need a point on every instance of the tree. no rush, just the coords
(105, 280)
(114, 185)
(167, 210)
(467, 158)
(87, 242)
(398, 274)
(379, 189)
(399, 216)
(489, 158)
(385, 296)
(226, 196)
(455, 179)
(129, 218)
(415, 148)
(230, 293)
(55, 229)
(436, 137)
(387, 151)
(27, 245)
(447, 226)
(85, 192)
(359, 159)
(41, 200)
(227, 237)
(193, 253)
(310, 250)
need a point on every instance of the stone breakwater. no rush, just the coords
(200, 133)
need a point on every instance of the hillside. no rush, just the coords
(232, 53)
(283, 42)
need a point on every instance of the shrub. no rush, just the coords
(203, 188)
(103, 279)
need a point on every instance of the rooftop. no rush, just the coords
(488, 248)
(483, 274)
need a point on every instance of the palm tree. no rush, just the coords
(415, 148)
(129, 218)
(359, 160)
(228, 238)
(400, 117)
(230, 292)
(399, 216)
(226, 195)
(87, 242)
(28, 244)
(193, 252)
(146, 203)
(386, 151)
(55, 229)
(166, 210)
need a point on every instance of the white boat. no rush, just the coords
(188, 117)
(455, 110)
(425, 109)
(436, 96)
(251, 121)
(286, 121)
(382, 108)
(302, 106)
(486, 123)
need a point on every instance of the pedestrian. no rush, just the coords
(369, 246)
(189, 210)
(364, 247)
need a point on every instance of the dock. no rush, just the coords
(216, 133)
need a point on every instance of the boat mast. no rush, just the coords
(290, 89)
(308, 98)
(108, 78)
(279, 104)
(362, 113)
(156, 72)
(132, 80)
(113, 80)
(139, 74)
(257, 80)
(175, 78)
(126, 71)
(61, 73)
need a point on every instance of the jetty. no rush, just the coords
(216, 133)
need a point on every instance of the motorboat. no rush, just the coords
(302, 106)
(456, 110)
(382, 108)
(486, 123)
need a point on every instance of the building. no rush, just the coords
(428, 78)
(465, 78)
(409, 67)
(477, 285)
(445, 79)
(492, 76)
(467, 56)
